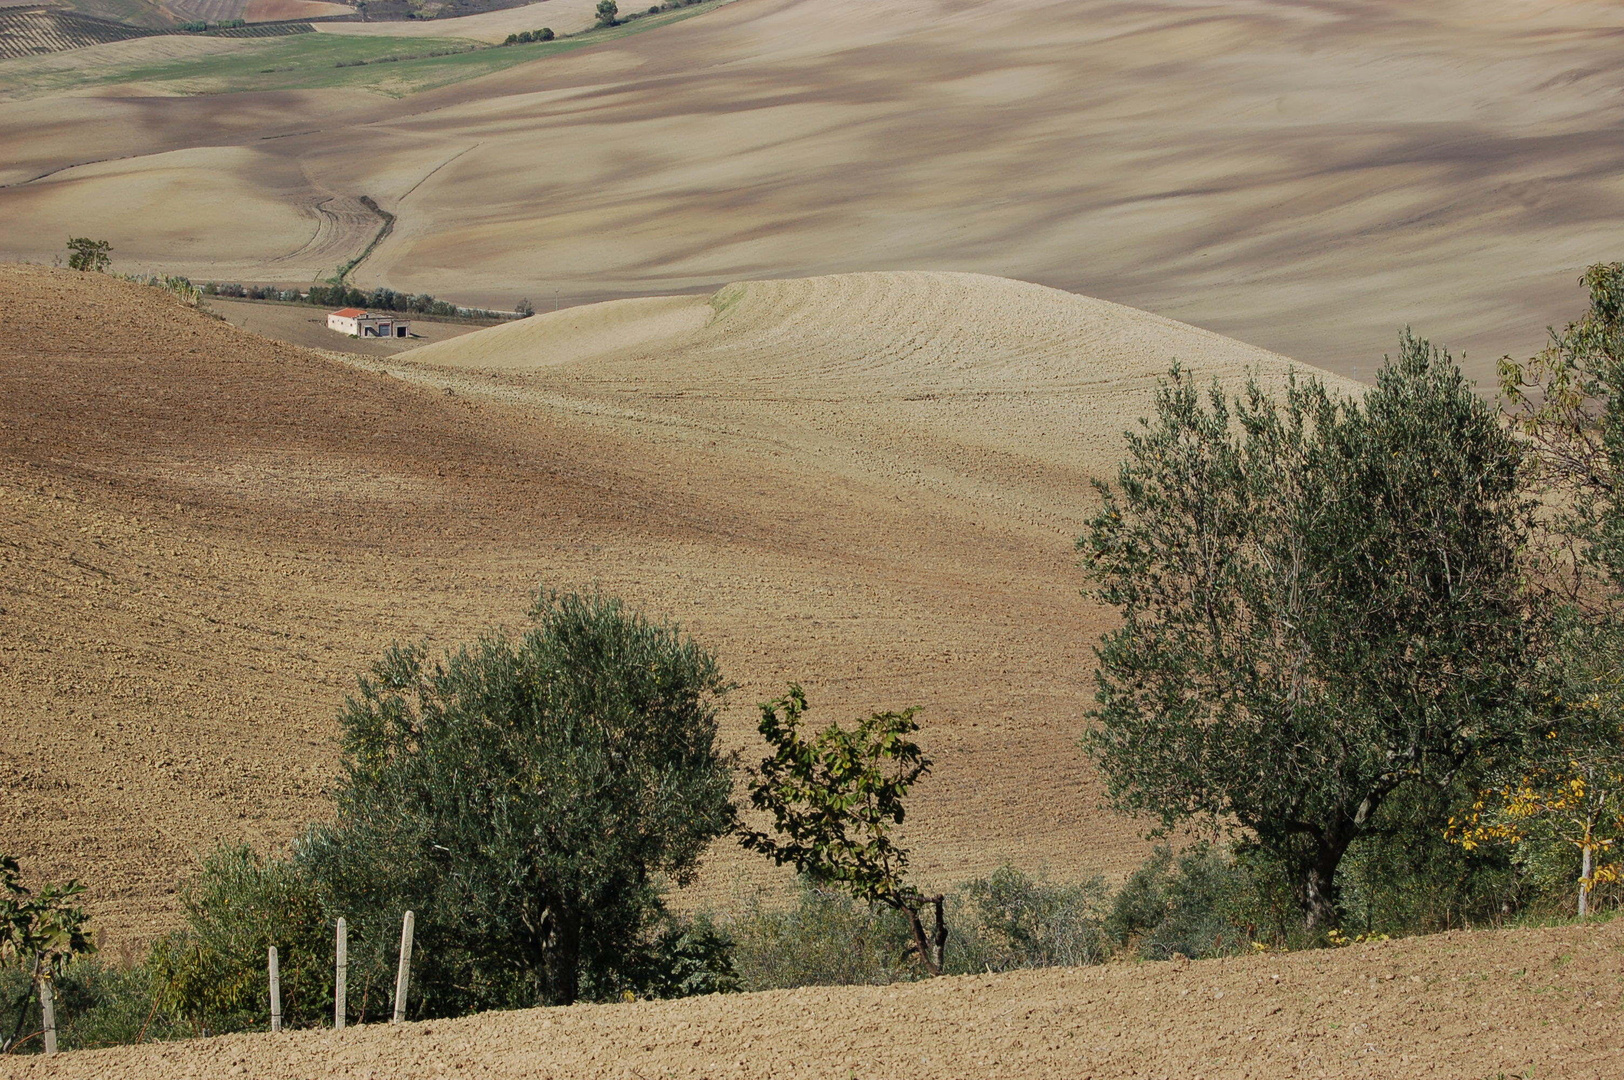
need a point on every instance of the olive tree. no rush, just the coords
(87, 254)
(1321, 603)
(527, 796)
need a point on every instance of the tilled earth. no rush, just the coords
(1525, 1003)
(205, 535)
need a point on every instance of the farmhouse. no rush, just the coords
(358, 323)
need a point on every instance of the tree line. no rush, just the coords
(379, 299)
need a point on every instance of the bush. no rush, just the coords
(526, 796)
(97, 1004)
(1408, 878)
(213, 973)
(1201, 903)
(825, 939)
(1012, 920)
(87, 254)
(683, 958)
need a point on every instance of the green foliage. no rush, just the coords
(40, 933)
(527, 798)
(1562, 806)
(825, 939)
(1012, 920)
(1569, 403)
(1201, 903)
(97, 1005)
(1321, 605)
(608, 13)
(86, 254)
(834, 798)
(683, 958)
(193, 26)
(212, 974)
(1405, 877)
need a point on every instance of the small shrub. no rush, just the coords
(212, 974)
(1201, 903)
(1012, 920)
(544, 34)
(684, 958)
(87, 254)
(825, 939)
(608, 13)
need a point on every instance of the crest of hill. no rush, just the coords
(903, 331)
(1002, 392)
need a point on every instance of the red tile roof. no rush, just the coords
(349, 313)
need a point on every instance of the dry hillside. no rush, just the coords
(1522, 1004)
(1306, 176)
(867, 483)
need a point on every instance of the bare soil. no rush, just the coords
(1470, 1006)
(208, 534)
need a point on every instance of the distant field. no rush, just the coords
(562, 16)
(391, 65)
(255, 10)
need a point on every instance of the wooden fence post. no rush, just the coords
(276, 990)
(341, 975)
(47, 1011)
(403, 974)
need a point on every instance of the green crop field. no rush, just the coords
(392, 66)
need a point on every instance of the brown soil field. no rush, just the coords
(562, 16)
(1467, 1006)
(207, 534)
(1309, 177)
(278, 10)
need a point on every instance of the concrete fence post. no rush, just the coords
(341, 975)
(47, 1011)
(276, 989)
(402, 976)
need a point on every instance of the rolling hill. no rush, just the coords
(1309, 177)
(869, 483)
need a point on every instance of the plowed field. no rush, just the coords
(1530, 1004)
(207, 534)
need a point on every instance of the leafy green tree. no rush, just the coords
(1321, 604)
(834, 797)
(1568, 402)
(608, 13)
(1563, 807)
(527, 797)
(41, 931)
(87, 254)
